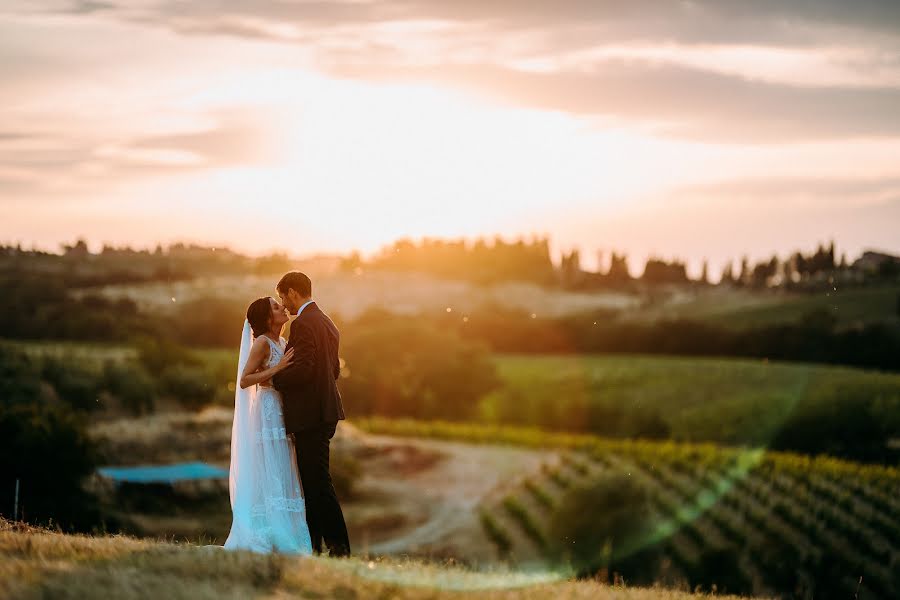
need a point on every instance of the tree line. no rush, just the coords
(482, 261)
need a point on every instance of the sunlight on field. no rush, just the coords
(418, 574)
(731, 401)
(40, 563)
(350, 295)
(730, 515)
(86, 353)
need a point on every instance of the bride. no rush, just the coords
(267, 506)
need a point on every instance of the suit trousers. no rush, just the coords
(323, 511)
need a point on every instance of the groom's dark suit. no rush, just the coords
(312, 408)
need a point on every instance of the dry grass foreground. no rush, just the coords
(36, 563)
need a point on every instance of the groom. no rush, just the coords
(312, 408)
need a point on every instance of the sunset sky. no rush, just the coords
(691, 129)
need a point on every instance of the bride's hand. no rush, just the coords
(286, 359)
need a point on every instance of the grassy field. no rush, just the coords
(348, 295)
(850, 306)
(42, 564)
(731, 401)
(776, 523)
(723, 400)
(744, 309)
(89, 353)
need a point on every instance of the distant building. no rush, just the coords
(872, 262)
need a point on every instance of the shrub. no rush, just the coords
(157, 354)
(719, 569)
(648, 424)
(210, 321)
(132, 386)
(853, 420)
(49, 452)
(539, 493)
(20, 380)
(400, 367)
(192, 386)
(526, 521)
(78, 386)
(495, 533)
(602, 526)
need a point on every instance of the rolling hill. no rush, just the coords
(37, 563)
(749, 520)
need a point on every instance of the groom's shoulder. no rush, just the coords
(315, 318)
(306, 317)
(312, 312)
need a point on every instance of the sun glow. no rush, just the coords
(361, 164)
(139, 145)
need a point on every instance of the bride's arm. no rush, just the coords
(259, 352)
(302, 368)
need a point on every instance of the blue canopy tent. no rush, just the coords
(170, 474)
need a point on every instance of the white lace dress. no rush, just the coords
(277, 512)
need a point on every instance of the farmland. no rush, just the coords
(748, 521)
(728, 401)
(849, 412)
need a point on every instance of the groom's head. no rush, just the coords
(294, 289)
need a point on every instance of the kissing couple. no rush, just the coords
(286, 409)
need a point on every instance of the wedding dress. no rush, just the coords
(267, 505)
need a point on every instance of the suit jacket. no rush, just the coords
(309, 385)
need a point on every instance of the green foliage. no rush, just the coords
(808, 408)
(398, 367)
(576, 465)
(46, 380)
(733, 520)
(697, 455)
(718, 568)
(83, 382)
(47, 449)
(131, 384)
(193, 386)
(209, 322)
(495, 533)
(557, 477)
(813, 336)
(479, 262)
(851, 307)
(40, 307)
(855, 419)
(525, 520)
(19, 377)
(156, 354)
(539, 493)
(181, 373)
(602, 524)
(76, 384)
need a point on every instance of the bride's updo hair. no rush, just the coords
(258, 315)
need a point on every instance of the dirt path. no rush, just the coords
(421, 497)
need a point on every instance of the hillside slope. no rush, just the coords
(42, 564)
(746, 520)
